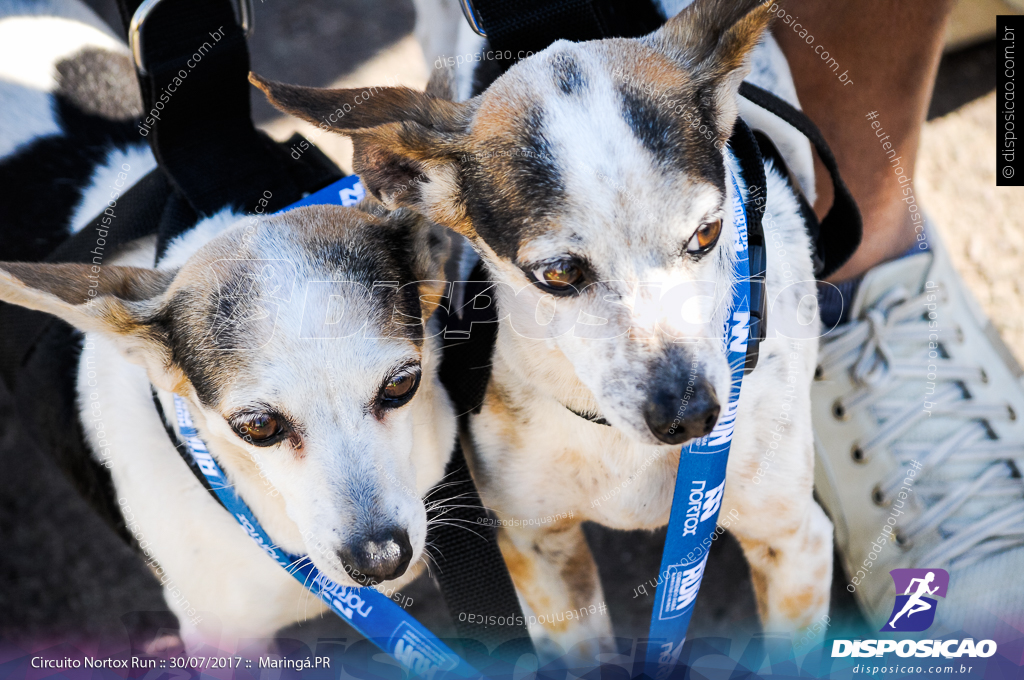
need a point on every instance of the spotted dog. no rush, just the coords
(314, 386)
(591, 180)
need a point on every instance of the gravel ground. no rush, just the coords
(65, 577)
(980, 223)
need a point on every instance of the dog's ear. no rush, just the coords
(428, 248)
(712, 39)
(119, 302)
(407, 143)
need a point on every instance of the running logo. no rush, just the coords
(914, 611)
(682, 581)
(712, 502)
(417, 653)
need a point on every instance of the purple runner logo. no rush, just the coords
(913, 611)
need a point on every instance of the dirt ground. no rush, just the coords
(64, 575)
(980, 223)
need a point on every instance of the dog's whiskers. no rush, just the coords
(456, 526)
(304, 598)
(438, 487)
(295, 565)
(444, 502)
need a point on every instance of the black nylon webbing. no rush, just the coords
(748, 153)
(770, 152)
(526, 26)
(204, 139)
(841, 229)
(470, 333)
(479, 584)
(531, 25)
(476, 581)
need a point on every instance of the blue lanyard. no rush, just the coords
(373, 614)
(700, 483)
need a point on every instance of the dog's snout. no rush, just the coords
(677, 412)
(382, 557)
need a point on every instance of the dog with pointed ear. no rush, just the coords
(301, 346)
(425, 151)
(589, 177)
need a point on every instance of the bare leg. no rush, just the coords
(892, 52)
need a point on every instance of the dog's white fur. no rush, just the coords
(309, 498)
(627, 211)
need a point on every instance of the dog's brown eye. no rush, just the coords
(561, 276)
(400, 388)
(705, 237)
(259, 428)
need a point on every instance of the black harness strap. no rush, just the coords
(196, 83)
(770, 152)
(138, 214)
(529, 26)
(841, 230)
(745, 148)
(470, 568)
(470, 333)
(478, 582)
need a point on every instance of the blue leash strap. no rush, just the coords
(373, 614)
(346, 191)
(700, 484)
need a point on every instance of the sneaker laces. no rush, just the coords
(969, 490)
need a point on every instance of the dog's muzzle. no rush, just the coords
(677, 411)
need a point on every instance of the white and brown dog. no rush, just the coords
(591, 179)
(314, 388)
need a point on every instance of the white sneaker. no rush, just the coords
(919, 374)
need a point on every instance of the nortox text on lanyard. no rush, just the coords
(700, 484)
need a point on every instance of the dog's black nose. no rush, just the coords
(677, 412)
(383, 557)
